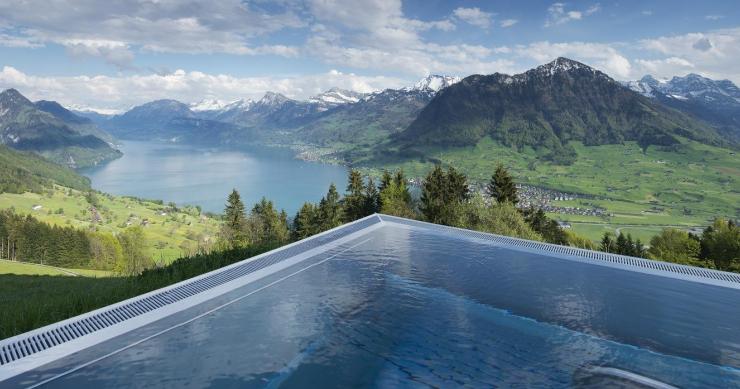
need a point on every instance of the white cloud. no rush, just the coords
(714, 17)
(473, 16)
(187, 26)
(558, 14)
(508, 22)
(714, 54)
(122, 92)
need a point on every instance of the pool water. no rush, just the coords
(405, 307)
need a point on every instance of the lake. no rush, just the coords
(205, 176)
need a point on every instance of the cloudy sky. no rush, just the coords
(112, 55)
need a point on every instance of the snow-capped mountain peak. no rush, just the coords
(272, 98)
(686, 87)
(335, 97)
(433, 83)
(208, 105)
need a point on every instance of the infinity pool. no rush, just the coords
(409, 306)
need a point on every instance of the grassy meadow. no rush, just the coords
(641, 191)
(169, 233)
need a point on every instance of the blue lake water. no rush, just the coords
(202, 176)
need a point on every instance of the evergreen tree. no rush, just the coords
(433, 196)
(233, 231)
(640, 249)
(330, 210)
(457, 185)
(607, 243)
(371, 197)
(354, 199)
(546, 227)
(502, 187)
(266, 225)
(305, 222)
(621, 244)
(385, 180)
(442, 193)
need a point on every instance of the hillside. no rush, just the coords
(23, 126)
(546, 108)
(25, 172)
(170, 233)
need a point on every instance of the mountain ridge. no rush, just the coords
(547, 107)
(24, 126)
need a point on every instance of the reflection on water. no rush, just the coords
(437, 313)
(189, 175)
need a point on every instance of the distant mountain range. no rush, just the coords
(546, 108)
(716, 102)
(52, 131)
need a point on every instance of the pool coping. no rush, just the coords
(38, 347)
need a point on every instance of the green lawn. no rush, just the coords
(24, 268)
(169, 234)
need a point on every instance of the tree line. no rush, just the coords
(26, 239)
(717, 247)
(445, 199)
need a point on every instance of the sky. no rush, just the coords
(109, 56)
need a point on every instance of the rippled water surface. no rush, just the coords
(412, 309)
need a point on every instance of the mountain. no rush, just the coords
(171, 120)
(23, 126)
(375, 116)
(547, 107)
(714, 101)
(335, 97)
(148, 120)
(272, 111)
(79, 123)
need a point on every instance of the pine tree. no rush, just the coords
(266, 225)
(607, 243)
(305, 222)
(371, 197)
(640, 249)
(385, 180)
(502, 187)
(442, 194)
(234, 228)
(354, 199)
(630, 246)
(330, 210)
(433, 199)
(621, 245)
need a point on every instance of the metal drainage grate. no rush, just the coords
(24, 347)
(575, 252)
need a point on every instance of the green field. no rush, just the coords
(23, 268)
(686, 187)
(169, 234)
